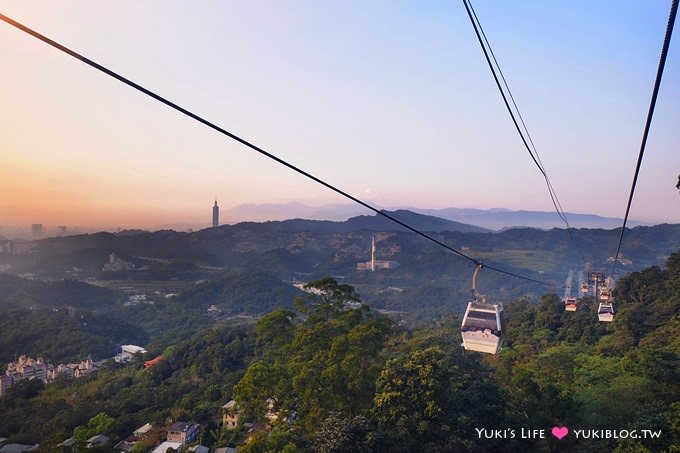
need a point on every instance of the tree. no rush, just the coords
(433, 397)
(275, 329)
(326, 364)
(99, 424)
(264, 384)
(326, 299)
(341, 434)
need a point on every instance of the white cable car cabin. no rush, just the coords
(570, 304)
(482, 327)
(605, 294)
(605, 312)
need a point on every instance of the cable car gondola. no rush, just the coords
(482, 327)
(570, 304)
(605, 312)
(584, 287)
(605, 294)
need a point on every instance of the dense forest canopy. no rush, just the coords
(329, 374)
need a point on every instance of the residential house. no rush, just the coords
(70, 442)
(126, 444)
(142, 430)
(19, 448)
(230, 415)
(225, 450)
(97, 441)
(162, 448)
(183, 432)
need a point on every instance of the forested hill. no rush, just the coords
(338, 377)
(318, 248)
(424, 281)
(17, 292)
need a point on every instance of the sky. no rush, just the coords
(390, 101)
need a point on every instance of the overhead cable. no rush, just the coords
(648, 123)
(533, 152)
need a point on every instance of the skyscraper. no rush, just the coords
(37, 230)
(216, 215)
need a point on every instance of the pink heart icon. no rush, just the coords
(560, 432)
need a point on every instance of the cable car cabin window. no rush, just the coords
(479, 320)
(606, 309)
(483, 317)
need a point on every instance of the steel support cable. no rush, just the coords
(246, 143)
(648, 123)
(507, 87)
(536, 158)
(498, 84)
(534, 155)
(539, 163)
(477, 28)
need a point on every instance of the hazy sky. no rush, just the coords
(392, 101)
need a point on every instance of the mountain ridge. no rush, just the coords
(490, 219)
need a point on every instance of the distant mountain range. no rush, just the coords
(499, 219)
(475, 220)
(490, 219)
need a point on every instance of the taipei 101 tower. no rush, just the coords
(216, 215)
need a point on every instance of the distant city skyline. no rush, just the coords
(391, 102)
(491, 219)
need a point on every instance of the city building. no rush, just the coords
(216, 215)
(16, 247)
(5, 383)
(27, 368)
(83, 368)
(60, 370)
(37, 231)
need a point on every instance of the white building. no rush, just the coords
(128, 351)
